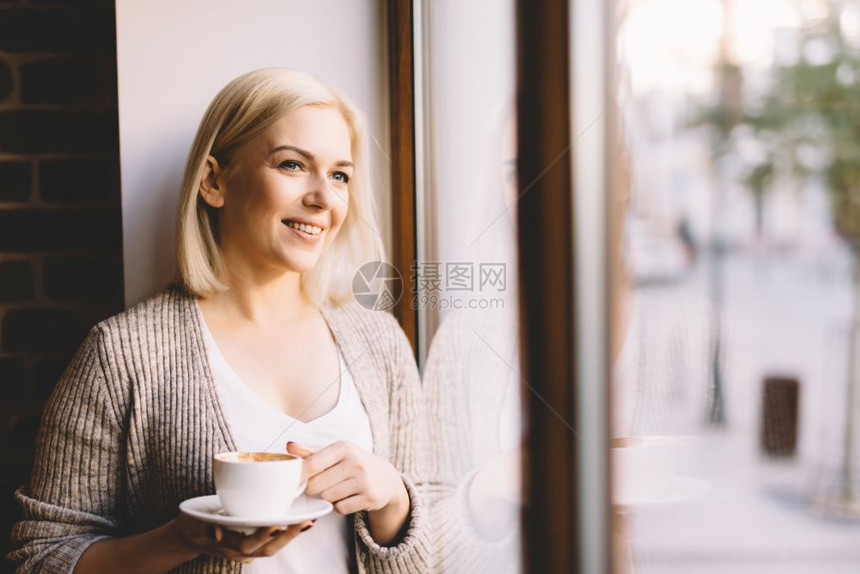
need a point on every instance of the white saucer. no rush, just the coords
(208, 509)
(682, 488)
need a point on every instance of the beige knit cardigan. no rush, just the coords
(130, 430)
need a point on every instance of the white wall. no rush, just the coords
(173, 57)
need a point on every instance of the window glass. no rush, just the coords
(464, 284)
(736, 383)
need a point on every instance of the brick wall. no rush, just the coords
(60, 223)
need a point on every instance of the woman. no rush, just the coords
(472, 385)
(260, 344)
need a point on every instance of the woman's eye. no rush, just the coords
(291, 165)
(340, 177)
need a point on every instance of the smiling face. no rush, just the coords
(284, 194)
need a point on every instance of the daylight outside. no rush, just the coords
(739, 369)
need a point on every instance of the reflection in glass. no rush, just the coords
(472, 381)
(472, 377)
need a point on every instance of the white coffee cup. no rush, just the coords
(643, 468)
(259, 485)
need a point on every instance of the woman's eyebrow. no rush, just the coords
(307, 154)
(298, 150)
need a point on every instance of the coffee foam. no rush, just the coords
(254, 457)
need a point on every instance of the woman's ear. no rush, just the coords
(210, 190)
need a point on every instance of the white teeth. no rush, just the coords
(309, 229)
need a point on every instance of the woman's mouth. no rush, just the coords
(308, 233)
(303, 227)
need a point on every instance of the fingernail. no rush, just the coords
(308, 527)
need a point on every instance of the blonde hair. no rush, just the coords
(243, 109)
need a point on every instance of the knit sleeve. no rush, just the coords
(457, 544)
(409, 455)
(72, 498)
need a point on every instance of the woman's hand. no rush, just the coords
(353, 479)
(199, 537)
(495, 494)
(499, 478)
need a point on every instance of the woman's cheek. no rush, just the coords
(332, 235)
(335, 229)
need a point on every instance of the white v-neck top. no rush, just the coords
(258, 426)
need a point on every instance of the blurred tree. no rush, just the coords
(806, 126)
(809, 123)
(722, 118)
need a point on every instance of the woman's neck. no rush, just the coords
(261, 302)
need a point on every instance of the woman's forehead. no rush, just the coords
(321, 130)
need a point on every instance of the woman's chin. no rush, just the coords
(300, 264)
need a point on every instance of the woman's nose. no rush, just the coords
(321, 193)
